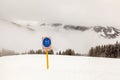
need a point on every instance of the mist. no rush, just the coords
(76, 12)
(79, 12)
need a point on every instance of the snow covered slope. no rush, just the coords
(22, 36)
(33, 67)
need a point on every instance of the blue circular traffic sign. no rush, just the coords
(46, 42)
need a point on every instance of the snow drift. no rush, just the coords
(33, 67)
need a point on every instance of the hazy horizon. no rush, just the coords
(84, 12)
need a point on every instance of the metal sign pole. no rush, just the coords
(47, 60)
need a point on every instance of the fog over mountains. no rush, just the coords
(75, 24)
(21, 35)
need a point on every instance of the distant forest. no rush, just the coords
(110, 51)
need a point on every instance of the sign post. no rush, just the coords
(46, 42)
(47, 60)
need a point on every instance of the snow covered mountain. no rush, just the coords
(106, 32)
(21, 35)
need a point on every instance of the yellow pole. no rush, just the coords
(47, 61)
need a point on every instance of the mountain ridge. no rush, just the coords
(78, 38)
(108, 32)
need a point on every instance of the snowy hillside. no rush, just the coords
(21, 36)
(33, 67)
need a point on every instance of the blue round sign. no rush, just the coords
(46, 42)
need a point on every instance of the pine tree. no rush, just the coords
(51, 52)
(39, 52)
(31, 52)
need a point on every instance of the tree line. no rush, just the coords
(38, 52)
(110, 50)
(6, 52)
(68, 52)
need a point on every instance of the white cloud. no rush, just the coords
(85, 12)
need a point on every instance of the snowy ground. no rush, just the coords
(33, 67)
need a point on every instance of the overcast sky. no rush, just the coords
(84, 12)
